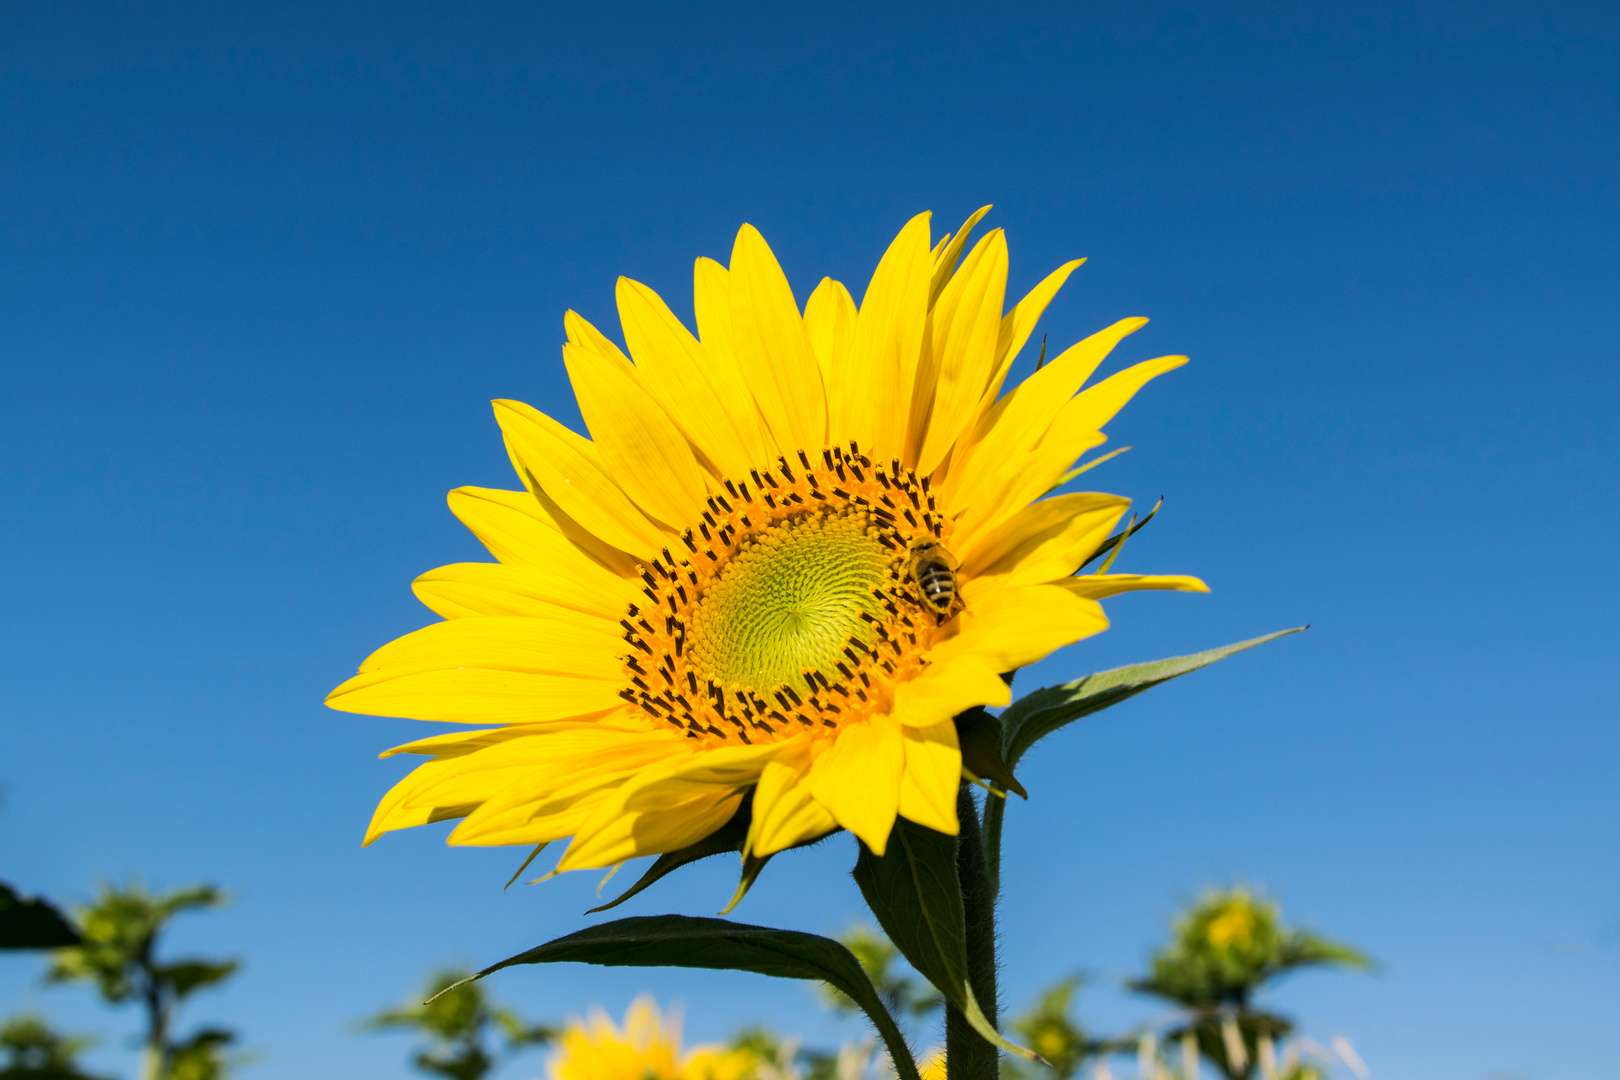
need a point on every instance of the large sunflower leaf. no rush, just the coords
(1038, 714)
(32, 924)
(686, 941)
(913, 890)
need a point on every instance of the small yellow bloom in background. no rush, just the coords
(933, 1064)
(795, 546)
(1234, 926)
(647, 1048)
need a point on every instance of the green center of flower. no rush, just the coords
(791, 600)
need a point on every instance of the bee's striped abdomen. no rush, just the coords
(938, 584)
(934, 570)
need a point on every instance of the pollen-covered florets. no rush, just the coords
(791, 608)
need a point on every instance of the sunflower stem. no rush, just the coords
(967, 1055)
(994, 809)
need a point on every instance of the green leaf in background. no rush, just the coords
(32, 924)
(914, 891)
(1038, 714)
(685, 941)
(189, 976)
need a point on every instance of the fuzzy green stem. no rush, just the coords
(967, 1055)
(994, 809)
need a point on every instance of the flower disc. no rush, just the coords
(790, 603)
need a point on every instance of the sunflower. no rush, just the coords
(794, 547)
(649, 1048)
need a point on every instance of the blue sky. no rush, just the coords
(264, 267)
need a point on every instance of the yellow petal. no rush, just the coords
(461, 743)
(554, 757)
(711, 303)
(772, 348)
(463, 589)
(568, 469)
(947, 251)
(858, 780)
(1009, 628)
(1102, 586)
(550, 781)
(882, 363)
(1042, 542)
(1097, 405)
(1026, 477)
(959, 353)
(933, 774)
(947, 687)
(641, 447)
(711, 296)
(1029, 413)
(392, 813)
(1001, 478)
(523, 528)
(660, 823)
(714, 411)
(1020, 323)
(527, 828)
(582, 333)
(473, 695)
(829, 318)
(568, 643)
(785, 811)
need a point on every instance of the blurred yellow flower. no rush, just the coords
(647, 1048)
(1234, 926)
(793, 549)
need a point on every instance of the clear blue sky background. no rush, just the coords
(262, 268)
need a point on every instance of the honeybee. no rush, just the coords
(934, 570)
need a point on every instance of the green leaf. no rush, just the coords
(979, 735)
(32, 924)
(1038, 714)
(685, 941)
(913, 890)
(189, 976)
(753, 865)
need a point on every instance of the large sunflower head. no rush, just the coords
(794, 547)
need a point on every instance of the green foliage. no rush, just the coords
(1038, 714)
(914, 891)
(684, 941)
(1218, 1034)
(32, 924)
(202, 1056)
(1229, 944)
(457, 1020)
(1051, 1031)
(118, 954)
(777, 1057)
(1225, 948)
(981, 738)
(902, 995)
(32, 1051)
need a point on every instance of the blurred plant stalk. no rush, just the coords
(118, 954)
(459, 1023)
